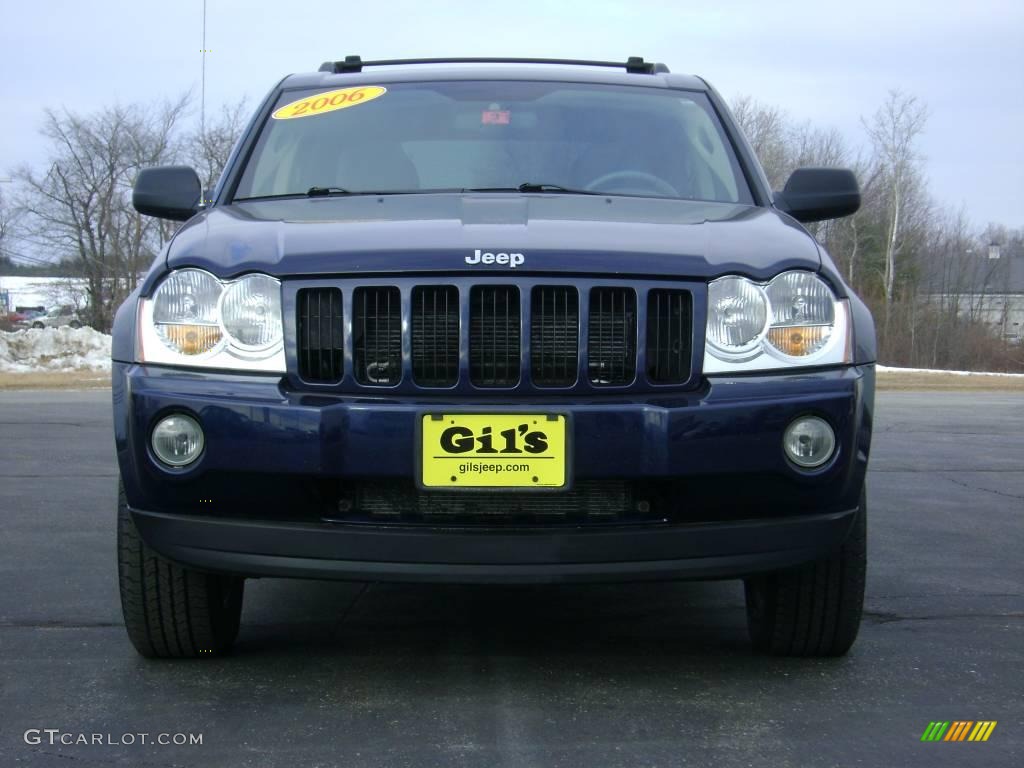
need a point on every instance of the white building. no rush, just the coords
(988, 286)
(42, 291)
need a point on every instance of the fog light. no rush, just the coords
(177, 440)
(809, 442)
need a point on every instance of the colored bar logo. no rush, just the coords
(959, 730)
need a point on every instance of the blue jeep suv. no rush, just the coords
(494, 321)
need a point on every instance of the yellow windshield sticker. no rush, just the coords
(329, 101)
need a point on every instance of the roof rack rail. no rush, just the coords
(634, 64)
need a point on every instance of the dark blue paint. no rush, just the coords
(257, 426)
(433, 233)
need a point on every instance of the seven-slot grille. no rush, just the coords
(457, 332)
(377, 335)
(320, 332)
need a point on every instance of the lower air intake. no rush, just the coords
(592, 500)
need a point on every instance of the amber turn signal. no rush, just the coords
(191, 339)
(799, 340)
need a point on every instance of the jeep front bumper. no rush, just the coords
(258, 500)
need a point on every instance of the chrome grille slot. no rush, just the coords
(669, 336)
(554, 335)
(377, 335)
(320, 331)
(611, 353)
(435, 335)
(494, 336)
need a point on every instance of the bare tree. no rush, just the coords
(893, 131)
(210, 147)
(923, 271)
(767, 129)
(80, 208)
(7, 223)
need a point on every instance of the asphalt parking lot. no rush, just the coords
(654, 674)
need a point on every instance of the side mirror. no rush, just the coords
(816, 194)
(168, 192)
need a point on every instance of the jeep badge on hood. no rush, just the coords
(513, 260)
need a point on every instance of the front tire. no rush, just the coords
(171, 611)
(813, 609)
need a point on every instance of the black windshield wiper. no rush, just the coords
(326, 191)
(342, 192)
(531, 187)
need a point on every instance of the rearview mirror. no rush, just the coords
(816, 194)
(168, 192)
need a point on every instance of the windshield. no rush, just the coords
(494, 136)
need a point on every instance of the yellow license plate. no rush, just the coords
(510, 450)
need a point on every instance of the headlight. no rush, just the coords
(793, 320)
(803, 314)
(185, 312)
(194, 319)
(737, 315)
(251, 312)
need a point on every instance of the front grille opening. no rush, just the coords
(611, 354)
(435, 335)
(669, 336)
(494, 335)
(320, 335)
(554, 335)
(377, 335)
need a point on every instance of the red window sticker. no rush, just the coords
(495, 117)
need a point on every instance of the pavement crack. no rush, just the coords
(349, 608)
(987, 490)
(971, 596)
(93, 760)
(940, 470)
(52, 476)
(895, 431)
(888, 617)
(59, 624)
(46, 424)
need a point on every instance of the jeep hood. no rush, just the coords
(436, 232)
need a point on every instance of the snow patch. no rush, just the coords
(887, 369)
(54, 349)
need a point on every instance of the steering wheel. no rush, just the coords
(649, 180)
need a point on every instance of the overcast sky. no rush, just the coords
(827, 62)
